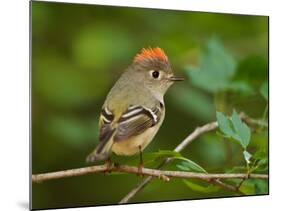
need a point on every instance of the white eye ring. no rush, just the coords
(155, 74)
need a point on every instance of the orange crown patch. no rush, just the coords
(151, 53)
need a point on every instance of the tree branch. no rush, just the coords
(158, 173)
(226, 186)
(191, 137)
(161, 174)
(252, 121)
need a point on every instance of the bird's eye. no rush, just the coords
(155, 74)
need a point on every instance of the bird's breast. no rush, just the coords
(131, 146)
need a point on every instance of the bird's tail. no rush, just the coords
(102, 151)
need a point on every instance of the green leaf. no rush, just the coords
(260, 161)
(261, 186)
(234, 128)
(159, 156)
(264, 90)
(217, 60)
(254, 186)
(237, 169)
(216, 69)
(206, 80)
(225, 125)
(263, 161)
(248, 188)
(156, 157)
(242, 130)
(261, 154)
(189, 165)
(262, 165)
(202, 189)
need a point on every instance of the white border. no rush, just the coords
(14, 108)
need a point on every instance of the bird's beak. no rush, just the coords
(175, 78)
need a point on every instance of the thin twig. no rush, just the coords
(252, 121)
(240, 184)
(195, 134)
(161, 174)
(226, 186)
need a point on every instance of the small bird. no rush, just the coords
(134, 108)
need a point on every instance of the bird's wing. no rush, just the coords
(105, 121)
(102, 150)
(136, 120)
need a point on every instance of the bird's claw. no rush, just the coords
(108, 164)
(140, 168)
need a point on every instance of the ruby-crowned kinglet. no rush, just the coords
(134, 108)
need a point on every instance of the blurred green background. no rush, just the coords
(79, 51)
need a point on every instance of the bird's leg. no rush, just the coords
(140, 167)
(108, 164)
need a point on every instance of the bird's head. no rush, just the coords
(151, 66)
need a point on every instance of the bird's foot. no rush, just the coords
(140, 168)
(108, 164)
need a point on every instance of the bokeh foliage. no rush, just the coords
(78, 51)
